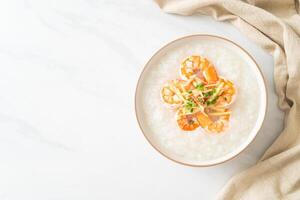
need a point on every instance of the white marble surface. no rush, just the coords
(68, 70)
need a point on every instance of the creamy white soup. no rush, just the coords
(198, 146)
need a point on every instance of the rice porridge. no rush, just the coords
(198, 146)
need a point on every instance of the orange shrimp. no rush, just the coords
(203, 120)
(228, 94)
(171, 93)
(189, 67)
(187, 122)
(200, 67)
(220, 120)
(209, 71)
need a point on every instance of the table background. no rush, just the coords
(68, 70)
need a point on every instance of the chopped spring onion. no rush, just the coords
(210, 93)
(213, 101)
(200, 87)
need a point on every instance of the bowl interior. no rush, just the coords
(177, 44)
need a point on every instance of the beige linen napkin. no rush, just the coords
(275, 26)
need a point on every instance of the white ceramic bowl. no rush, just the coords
(220, 42)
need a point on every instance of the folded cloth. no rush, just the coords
(275, 26)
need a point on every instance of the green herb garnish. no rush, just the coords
(190, 103)
(190, 110)
(189, 106)
(213, 101)
(200, 86)
(210, 93)
(200, 99)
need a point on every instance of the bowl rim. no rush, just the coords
(147, 65)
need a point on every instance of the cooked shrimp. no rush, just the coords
(220, 121)
(187, 122)
(171, 93)
(201, 67)
(208, 71)
(203, 120)
(189, 67)
(218, 126)
(228, 94)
